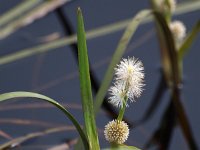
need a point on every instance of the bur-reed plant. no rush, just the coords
(128, 76)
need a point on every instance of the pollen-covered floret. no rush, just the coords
(116, 132)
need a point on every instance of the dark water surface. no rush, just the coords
(55, 74)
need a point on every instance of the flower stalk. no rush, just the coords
(122, 110)
(128, 84)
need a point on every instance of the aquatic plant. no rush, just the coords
(128, 76)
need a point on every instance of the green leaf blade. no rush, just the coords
(122, 147)
(174, 76)
(188, 41)
(85, 83)
(23, 94)
(168, 51)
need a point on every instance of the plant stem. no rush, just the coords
(182, 118)
(122, 109)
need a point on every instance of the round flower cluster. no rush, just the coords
(116, 132)
(129, 77)
(178, 30)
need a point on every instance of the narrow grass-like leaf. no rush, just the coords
(188, 41)
(31, 15)
(122, 45)
(122, 147)
(155, 102)
(94, 33)
(173, 71)
(17, 11)
(21, 94)
(166, 127)
(85, 83)
(168, 51)
(187, 6)
(20, 140)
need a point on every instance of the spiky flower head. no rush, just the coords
(129, 78)
(130, 70)
(117, 92)
(178, 30)
(116, 132)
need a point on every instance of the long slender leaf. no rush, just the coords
(30, 16)
(188, 41)
(123, 43)
(188, 6)
(85, 83)
(122, 147)
(155, 102)
(102, 31)
(17, 11)
(20, 94)
(20, 140)
(168, 51)
(168, 47)
(162, 135)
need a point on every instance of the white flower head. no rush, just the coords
(116, 132)
(129, 77)
(130, 70)
(117, 92)
(178, 30)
